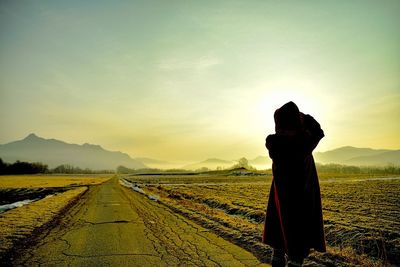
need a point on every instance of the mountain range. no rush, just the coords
(55, 152)
(349, 155)
(159, 164)
(211, 164)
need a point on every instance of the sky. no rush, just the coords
(190, 80)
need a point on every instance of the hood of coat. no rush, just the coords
(288, 119)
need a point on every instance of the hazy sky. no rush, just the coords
(188, 80)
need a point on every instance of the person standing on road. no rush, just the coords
(293, 223)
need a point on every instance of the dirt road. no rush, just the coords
(113, 226)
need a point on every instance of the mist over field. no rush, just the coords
(54, 153)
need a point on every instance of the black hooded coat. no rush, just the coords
(294, 213)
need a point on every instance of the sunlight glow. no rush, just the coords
(196, 80)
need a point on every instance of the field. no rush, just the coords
(49, 196)
(21, 187)
(361, 212)
(45, 181)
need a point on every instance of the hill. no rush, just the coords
(359, 156)
(381, 159)
(158, 164)
(55, 152)
(261, 162)
(211, 164)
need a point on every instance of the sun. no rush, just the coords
(308, 101)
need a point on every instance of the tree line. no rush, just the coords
(21, 167)
(346, 169)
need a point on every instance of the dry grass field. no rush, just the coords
(45, 181)
(50, 196)
(361, 212)
(19, 224)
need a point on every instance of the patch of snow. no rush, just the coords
(137, 188)
(134, 187)
(4, 208)
(154, 197)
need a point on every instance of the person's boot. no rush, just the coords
(278, 258)
(295, 263)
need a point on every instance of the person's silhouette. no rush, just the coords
(293, 223)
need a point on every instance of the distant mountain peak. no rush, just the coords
(55, 152)
(91, 146)
(352, 148)
(347, 147)
(32, 136)
(216, 160)
(350, 155)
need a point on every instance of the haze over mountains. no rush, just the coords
(260, 162)
(158, 164)
(345, 155)
(211, 164)
(55, 152)
(349, 155)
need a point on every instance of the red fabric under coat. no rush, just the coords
(294, 213)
